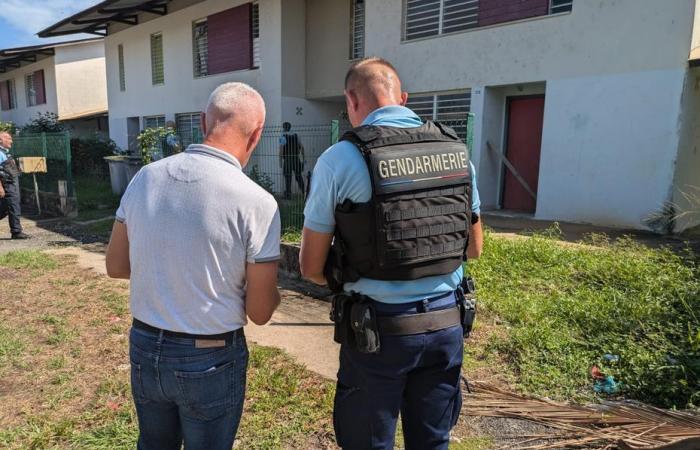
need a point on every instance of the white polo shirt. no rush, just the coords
(194, 220)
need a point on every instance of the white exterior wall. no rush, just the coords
(613, 96)
(80, 79)
(23, 113)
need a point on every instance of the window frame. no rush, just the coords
(157, 81)
(255, 34)
(205, 65)
(353, 56)
(29, 89)
(158, 118)
(566, 7)
(191, 137)
(121, 68)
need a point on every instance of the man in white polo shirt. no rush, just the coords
(200, 242)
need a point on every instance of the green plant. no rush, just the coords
(151, 141)
(565, 306)
(44, 123)
(88, 154)
(262, 179)
(8, 127)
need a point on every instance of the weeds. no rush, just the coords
(568, 305)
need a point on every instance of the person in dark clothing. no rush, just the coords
(9, 188)
(291, 160)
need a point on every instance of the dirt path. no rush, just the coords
(42, 237)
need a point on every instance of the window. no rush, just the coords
(560, 6)
(122, 74)
(189, 128)
(256, 34)
(157, 72)
(34, 88)
(357, 30)
(199, 47)
(425, 18)
(224, 42)
(154, 122)
(448, 108)
(8, 95)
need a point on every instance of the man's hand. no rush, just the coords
(262, 296)
(2, 191)
(117, 260)
(313, 255)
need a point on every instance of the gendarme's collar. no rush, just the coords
(214, 152)
(393, 112)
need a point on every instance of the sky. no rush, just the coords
(20, 20)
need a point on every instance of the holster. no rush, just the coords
(467, 305)
(355, 322)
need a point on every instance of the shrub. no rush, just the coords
(8, 127)
(151, 140)
(88, 154)
(44, 123)
(262, 179)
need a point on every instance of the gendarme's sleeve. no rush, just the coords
(319, 212)
(476, 200)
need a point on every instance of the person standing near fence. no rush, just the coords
(291, 160)
(397, 200)
(10, 202)
(200, 243)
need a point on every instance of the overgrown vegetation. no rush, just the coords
(44, 123)
(8, 127)
(262, 179)
(88, 153)
(152, 141)
(566, 306)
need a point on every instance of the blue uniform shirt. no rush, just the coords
(3, 155)
(341, 173)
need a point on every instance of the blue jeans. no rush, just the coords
(189, 394)
(417, 375)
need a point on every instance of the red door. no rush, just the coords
(524, 139)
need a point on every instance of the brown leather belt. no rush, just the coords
(210, 337)
(418, 323)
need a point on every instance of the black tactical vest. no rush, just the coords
(417, 222)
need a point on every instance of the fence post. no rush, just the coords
(69, 163)
(335, 129)
(43, 145)
(470, 133)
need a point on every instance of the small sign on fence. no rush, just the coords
(33, 165)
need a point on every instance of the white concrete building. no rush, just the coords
(67, 79)
(595, 103)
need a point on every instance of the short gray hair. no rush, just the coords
(235, 103)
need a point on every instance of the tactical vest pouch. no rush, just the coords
(11, 171)
(341, 306)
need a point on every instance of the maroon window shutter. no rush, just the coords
(39, 87)
(230, 42)
(5, 95)
(492, 12)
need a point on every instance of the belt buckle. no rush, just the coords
(209, 343)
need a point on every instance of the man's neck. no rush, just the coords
(229, 148)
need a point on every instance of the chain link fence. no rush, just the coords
(55, 147)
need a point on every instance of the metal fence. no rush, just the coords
(269, 169)
(55, 147)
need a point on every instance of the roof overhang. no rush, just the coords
(694, 59)
(96, 19)
(84, 115)
(14, 58)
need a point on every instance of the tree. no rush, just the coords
(44, 123)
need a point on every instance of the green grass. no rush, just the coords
(95, 198)
(473, 443)
(11, 347)
(566, 306)
(28, 259)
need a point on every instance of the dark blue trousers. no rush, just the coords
(187, 394)
(10, 206)
(415, 375)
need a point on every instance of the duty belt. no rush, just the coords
(419, 323)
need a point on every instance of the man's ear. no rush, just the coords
(351, 100)
(254, 139)
(404, 98)
(203, 123)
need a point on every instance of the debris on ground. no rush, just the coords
(625, 425)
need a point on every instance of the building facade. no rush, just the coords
(67, 79)
(594, 104)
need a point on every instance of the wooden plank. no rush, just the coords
(512, 169)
